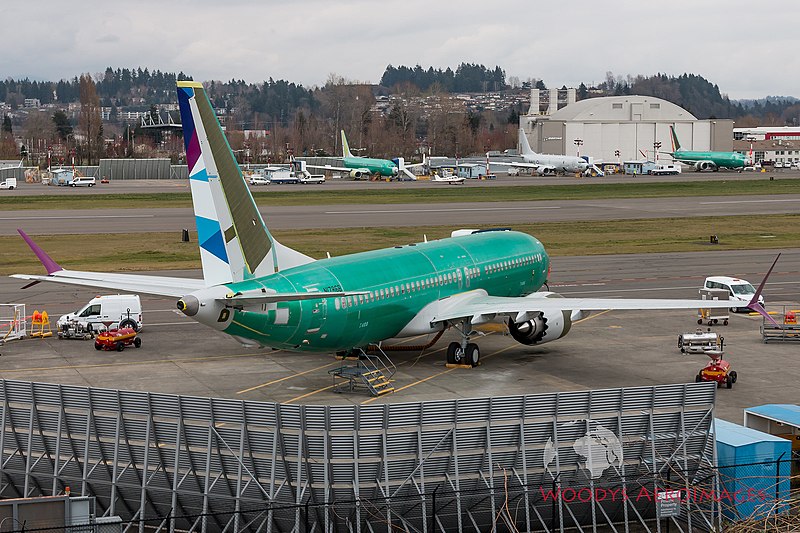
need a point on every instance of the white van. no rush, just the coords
(740, 290)
(122, 310)
(8, 183)
(80, 181)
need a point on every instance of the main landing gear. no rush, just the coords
(464, 352)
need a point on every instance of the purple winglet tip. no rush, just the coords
(757, 307)
(50, 265)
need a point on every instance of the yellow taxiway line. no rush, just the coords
(423, 380)
(331, 386)
(132, 363)
(268, 383)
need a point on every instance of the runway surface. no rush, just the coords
(610, 349)
(471, 214)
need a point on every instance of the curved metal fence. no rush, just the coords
(214, 464)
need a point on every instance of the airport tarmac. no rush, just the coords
(609, 349)
(464, 214)
(161, 186)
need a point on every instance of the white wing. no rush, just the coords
(331, 167)
(515, 165)
(479, 304)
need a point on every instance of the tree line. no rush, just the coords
(421, 114)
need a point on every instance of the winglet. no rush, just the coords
(757, 307)
(46, 260)
(676, 146)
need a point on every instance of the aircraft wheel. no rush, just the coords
(472, 354)
(725, 322)
(455, 354)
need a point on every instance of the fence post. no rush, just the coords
(433, 509)
(308, 528)
(777, 505)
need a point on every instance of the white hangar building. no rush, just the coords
(598, 127)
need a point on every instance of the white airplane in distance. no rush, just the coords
(447, 177)
(545, 164)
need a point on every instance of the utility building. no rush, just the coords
(630, 125)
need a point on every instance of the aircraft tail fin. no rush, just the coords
(524, 145)
(235, 244)
(345, 146)
(675, 144)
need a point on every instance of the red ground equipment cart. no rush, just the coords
(717, 370)
(117, 339)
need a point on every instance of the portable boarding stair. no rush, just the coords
(372, 372)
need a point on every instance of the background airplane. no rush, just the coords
(264, 293)
(364, 167)
(447, 177)
(545, 164)
(703, 160)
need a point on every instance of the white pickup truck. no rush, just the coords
(9, 183)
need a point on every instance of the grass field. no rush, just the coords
(163, 251)
(367, 195)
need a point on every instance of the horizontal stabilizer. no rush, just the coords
(156, 285)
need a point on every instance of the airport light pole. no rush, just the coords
(579, 143)
(656, 146)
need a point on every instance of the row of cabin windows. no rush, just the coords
(397, 290)
(512, 263)
(434, 281)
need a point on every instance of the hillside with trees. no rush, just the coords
(413, 108)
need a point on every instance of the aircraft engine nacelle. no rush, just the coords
(704, 165)
(546, 171)
(544, 327)
(359, 173)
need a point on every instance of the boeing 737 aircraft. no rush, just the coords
(707, 160)
(545, 164)
(364, 167)
(267, 294)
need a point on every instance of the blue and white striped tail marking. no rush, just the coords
(222, 261)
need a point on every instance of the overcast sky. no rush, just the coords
(747, 48)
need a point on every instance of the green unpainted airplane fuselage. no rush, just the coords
(384, 167)
(398, 283)
(720, 159)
